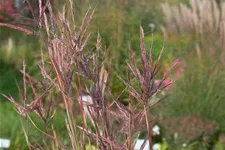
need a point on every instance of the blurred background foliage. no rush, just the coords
(198, 90)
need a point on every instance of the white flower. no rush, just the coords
(156, 146)
(184, 145)
(156, 130)
(152, 26)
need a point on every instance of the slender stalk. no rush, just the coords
(148, 128)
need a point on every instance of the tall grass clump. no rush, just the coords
(201, 85)
(72, 73)
(195, 109)
(193, 19)
(199, 91)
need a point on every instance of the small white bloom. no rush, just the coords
(152, 26)
(184, 145)
(156, 130)
(156, 146)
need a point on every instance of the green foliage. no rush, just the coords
(199, 90)
(10, 126)
(8, 77)
(90, 147)
(16, 47)
(219, 146)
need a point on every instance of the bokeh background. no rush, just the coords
(192, 31)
